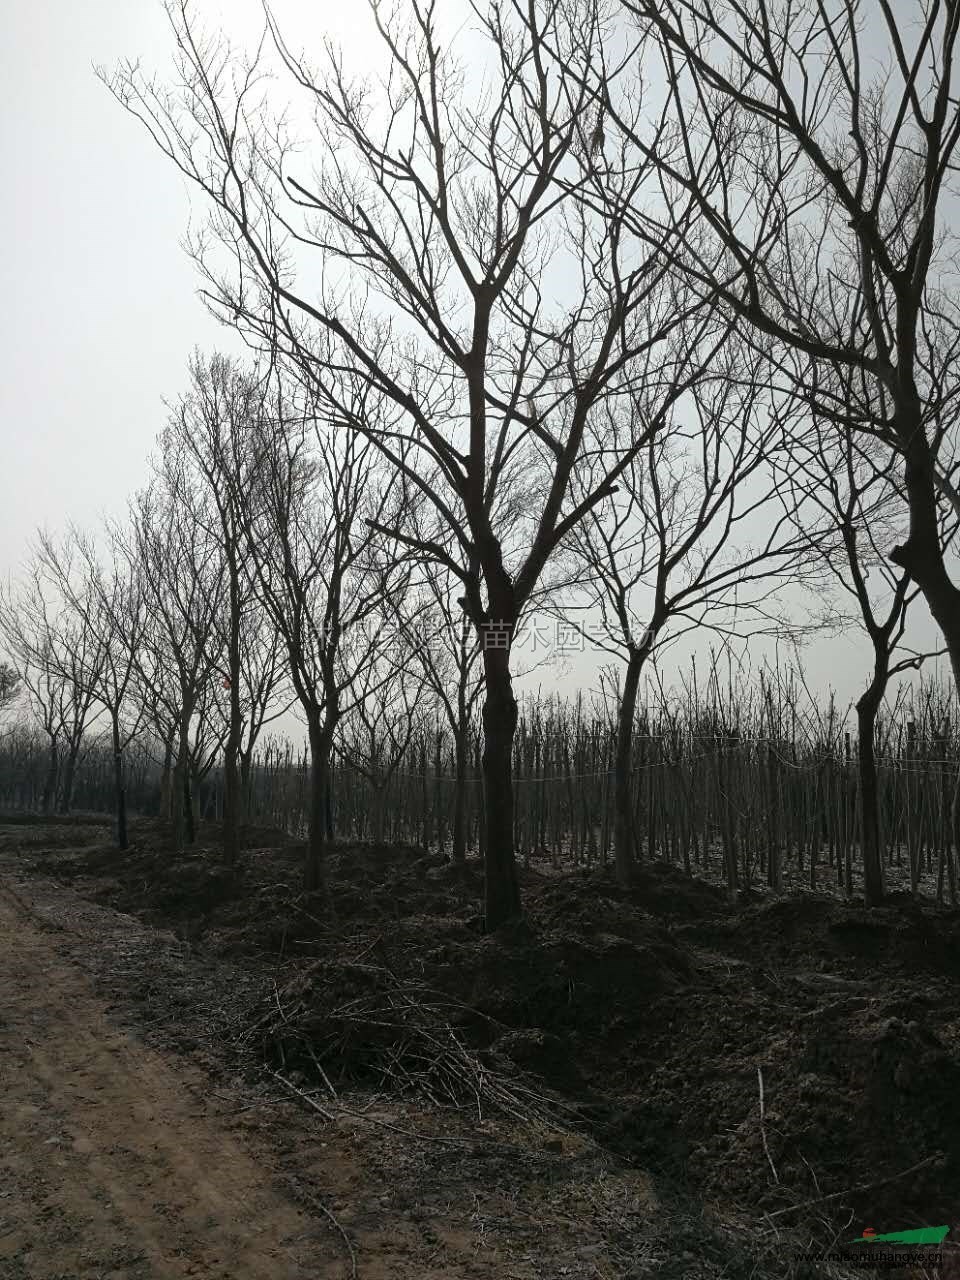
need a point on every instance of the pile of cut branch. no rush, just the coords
(344, 1022)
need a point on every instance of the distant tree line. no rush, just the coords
(748, 782)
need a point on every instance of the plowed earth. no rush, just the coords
(210, 1074)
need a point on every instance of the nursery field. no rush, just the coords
(629, 1082)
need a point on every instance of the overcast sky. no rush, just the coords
(101, 311)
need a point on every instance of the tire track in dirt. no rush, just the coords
(106, 1168)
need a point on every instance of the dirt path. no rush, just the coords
(107, 1169)
(137, 1144)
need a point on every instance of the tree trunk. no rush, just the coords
(321, 744)
(728, 826)
(189, 815)
(922, 554)
(50, 782)
(231, 784)
(328, 802)
(481, 804)
(867, 708)
(245, 767)
(231, 752)
(502, 886)
(622, 768)
(166, 780)
(69, 776)
(460, 799)
(180, 783)
(119, 782)
(774, 868)
(953, 856)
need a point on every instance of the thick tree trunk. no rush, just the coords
(460, 799)
(232, 786)
(502, 886)
(922, 554)
(119, 782)
(180, 783)
(230, 839)
(166, 781)
(867, 708)
(623, 838)
(50, 782)
(231, 754)
(69, 777)
(246, 761)
(321, 744)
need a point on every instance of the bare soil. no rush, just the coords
(111, 1164)
(368, 1084)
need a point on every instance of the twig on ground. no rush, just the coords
(323, 1075)
(852, 1191)
(318, 1204)
(357, 1115)
(305, 1097)
(763, 1129)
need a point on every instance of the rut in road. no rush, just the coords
(106, 1168)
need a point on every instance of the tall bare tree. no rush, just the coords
(58, 652)
(181, 570)
(108, 603)
(213, 425)
(818, 143)
(309, 530)
(474, 312)
(855, 481)
(696, 539)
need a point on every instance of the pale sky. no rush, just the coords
(101, 311)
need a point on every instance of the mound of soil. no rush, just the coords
(657, 1013)
(822, 932)
(853, 1094)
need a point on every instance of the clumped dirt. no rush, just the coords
(108, 1165)
(642, 1027)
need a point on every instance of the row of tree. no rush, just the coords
(741, 780)
(663, 313)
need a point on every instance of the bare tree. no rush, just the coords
(441, 334)
(855, 481)
(439, 647)
(309, 533)
(180, 568)
(59, 654)
(695, 540)
(108, 604)
(822, 176)
(9, 686)
(213, 425)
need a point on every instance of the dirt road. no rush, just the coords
(135, 1145)
(107, 1170)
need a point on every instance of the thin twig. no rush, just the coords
(852, 1191)
(299, 1192)
(763, 1129)
(305, 1097)
(323, 1075)
(356, 1115)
